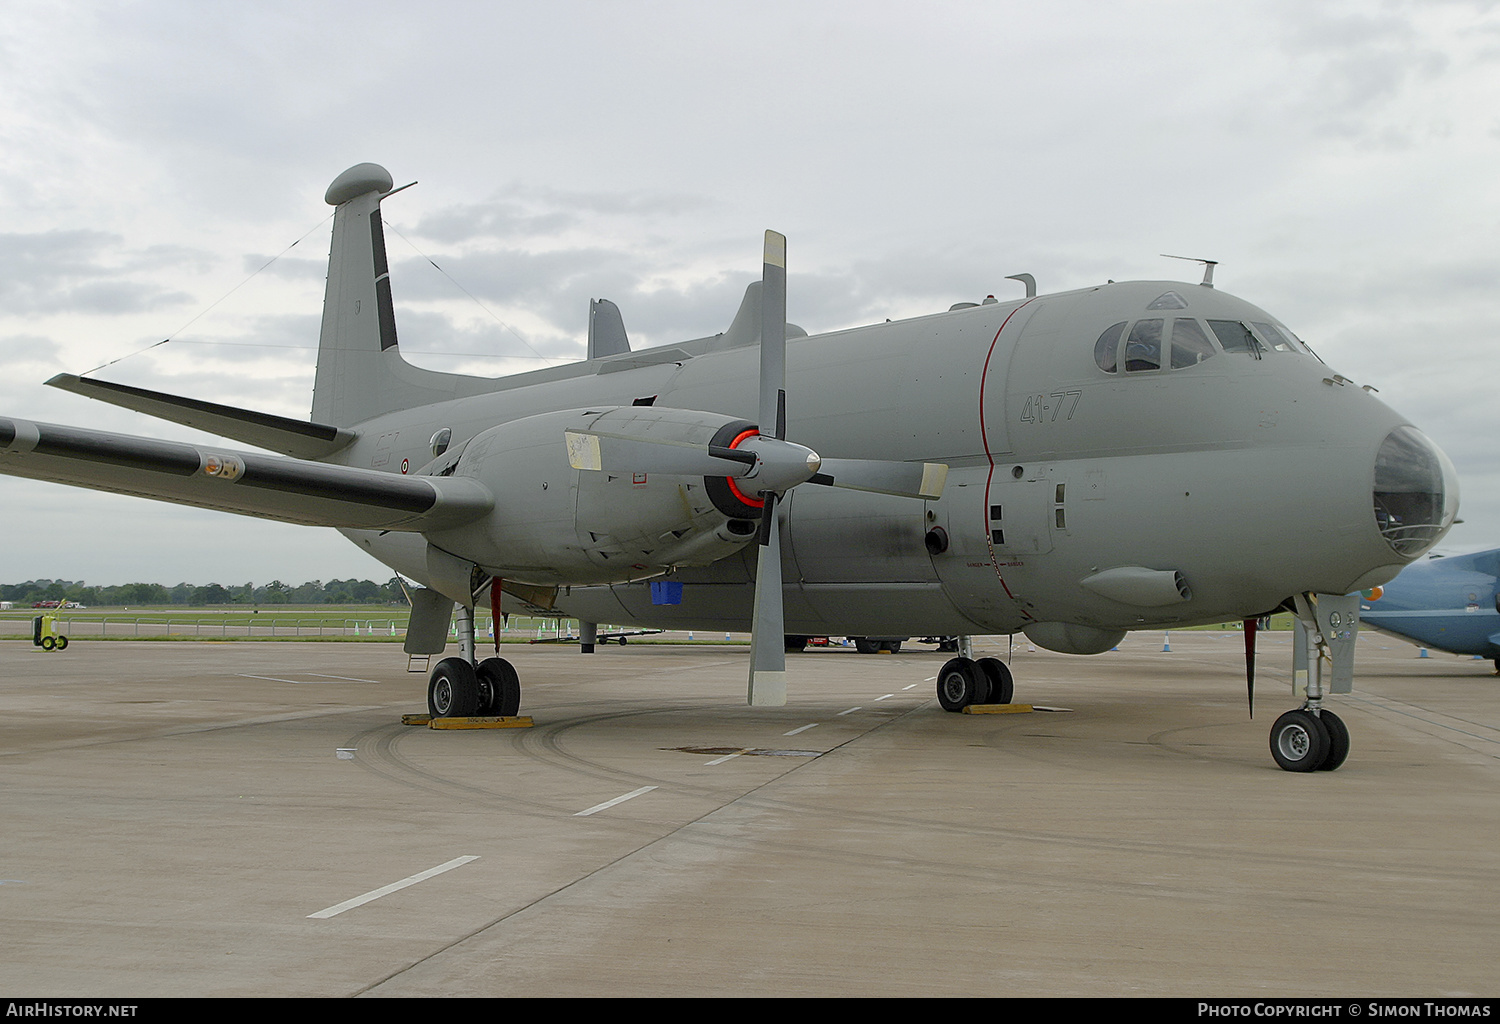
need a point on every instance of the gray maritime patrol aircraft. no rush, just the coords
(1139, 455)
(1446, 602)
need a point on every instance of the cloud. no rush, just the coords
(65, 270)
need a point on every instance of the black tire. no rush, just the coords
(62, 643)
(1002, 685)
(796, 644)
(864, 646)
(499, 688)
(960, 683)
(48, 643)
(1299, 741)
(1338, 741)
(453, 689)
(894, 646)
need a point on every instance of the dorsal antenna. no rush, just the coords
(1027, 280)
(1208, 267)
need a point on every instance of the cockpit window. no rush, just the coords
(1106, 349)
(1236, 338)
(1281, 339)
(1190, 345)
(1143, 347)
(1148, 342)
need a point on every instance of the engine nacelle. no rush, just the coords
(554, 524)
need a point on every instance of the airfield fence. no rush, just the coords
(241, 625)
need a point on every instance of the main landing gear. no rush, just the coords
(964, 681)
(458, 688)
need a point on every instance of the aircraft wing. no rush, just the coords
(265, 486)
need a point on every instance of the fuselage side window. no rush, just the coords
(1235, 337)
(1106, 349)
(1190, 345)
(1143, 347)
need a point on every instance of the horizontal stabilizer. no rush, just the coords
(249, 483)
(298, 438)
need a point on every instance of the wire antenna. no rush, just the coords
(546, 359)
(206, 309)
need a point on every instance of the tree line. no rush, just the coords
(24, 595)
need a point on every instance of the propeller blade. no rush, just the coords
(768, 627)
(595, 449)
(773, 337)
(908, 479)
(1250, 627)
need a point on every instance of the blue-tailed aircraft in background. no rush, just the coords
(1447, 602)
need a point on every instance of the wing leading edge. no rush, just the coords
(247, 483)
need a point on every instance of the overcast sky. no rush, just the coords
(1338, 159)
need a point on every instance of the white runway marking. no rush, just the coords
(801, 728)
(306, 682)
(851, 711)
(721, 760)
(913, 686)
(886, 697)
(617, 800)
(386, 890)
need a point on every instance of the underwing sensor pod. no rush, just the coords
(1072, 466)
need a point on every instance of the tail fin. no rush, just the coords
(361, 374)
(607, 335)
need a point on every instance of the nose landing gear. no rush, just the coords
(1312, 738)
(1304, 741)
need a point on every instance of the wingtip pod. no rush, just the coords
(356, 181)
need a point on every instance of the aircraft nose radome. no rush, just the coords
(356, 181)
(1415, 492)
